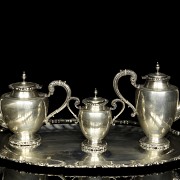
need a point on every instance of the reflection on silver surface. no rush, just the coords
(61, 147)
(94, 159)
(9, 174)
(30, 156)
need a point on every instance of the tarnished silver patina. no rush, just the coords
(156, 106)
(95, 119)
(24, 110)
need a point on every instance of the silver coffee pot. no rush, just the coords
(25, 109)
(95, 119)
(156, 106)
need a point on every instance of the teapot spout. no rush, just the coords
(177, 112)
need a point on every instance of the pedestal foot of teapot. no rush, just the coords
(99, 147)
(31, 142)
(162, 144)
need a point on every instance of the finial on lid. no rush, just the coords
(24, 76)
(157, 67)
(95, 93)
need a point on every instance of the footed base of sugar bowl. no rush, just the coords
(99, 147)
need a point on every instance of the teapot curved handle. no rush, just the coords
(51, 88)
(133, 79)
(113, 103)
(76, 103)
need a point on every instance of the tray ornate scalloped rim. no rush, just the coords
(123, 149)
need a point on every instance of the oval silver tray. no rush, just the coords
(61, 147)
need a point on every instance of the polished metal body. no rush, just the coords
(156, 106)
(24, 110)
(95, 119)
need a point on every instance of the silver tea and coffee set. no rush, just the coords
(24, 110)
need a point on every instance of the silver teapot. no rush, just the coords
(25, 109)
(156, 106)
(95, 119)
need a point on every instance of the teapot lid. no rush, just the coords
(24, 86)
(95, 100)
(157, 76)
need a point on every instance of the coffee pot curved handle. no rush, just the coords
(76, 103)
(51, 88)
(133, 79)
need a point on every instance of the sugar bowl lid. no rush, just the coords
(24, 85)
(157, 76)
(95, 100)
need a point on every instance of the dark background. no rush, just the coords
(86, 47)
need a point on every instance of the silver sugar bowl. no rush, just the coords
(156, 106)
(25, 109)
(95, 120)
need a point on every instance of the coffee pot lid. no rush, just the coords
(24, 85)
(157, 76)
(95, 100)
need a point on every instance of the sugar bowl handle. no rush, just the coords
(76, 103)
